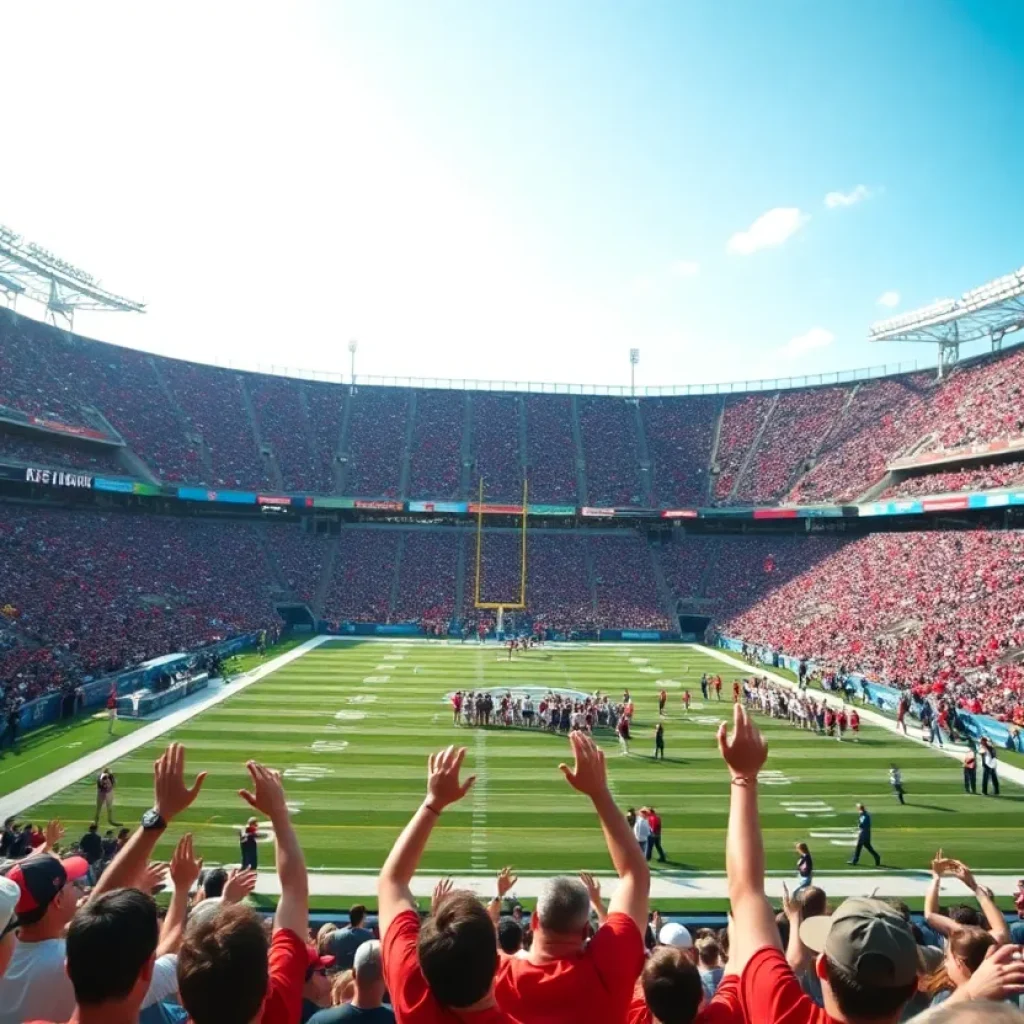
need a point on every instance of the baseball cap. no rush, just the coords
(40, 878)
(316, 961)
(866, 939)
(677, 935)
(9, 893)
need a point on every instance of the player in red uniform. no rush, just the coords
(623, 730)
(736, 692)
(718, 687)
(662, 698)
(686, 700)
(456, 707)
(854, 724)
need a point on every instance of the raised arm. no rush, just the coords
(745, 751)
(506, 882)
(936, 921)
(797, 954)
(998, 927)
(184, 871)
(594, 892)
(171, 797)
(267, 796)
(394, 896)
(589, 775)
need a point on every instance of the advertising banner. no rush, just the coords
(597, 513)
(58, 478)
(269, 499)
(333, 503)
(551, 510)
(202, 494)
(890, 508)
(493, 510)
(453, 507)
(679, 513)
(103, 483)
(378, 506)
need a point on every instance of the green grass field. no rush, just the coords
(351, 724)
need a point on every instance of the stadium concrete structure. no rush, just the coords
(339, 503)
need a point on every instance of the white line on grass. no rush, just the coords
(478, 837)
(45, 787)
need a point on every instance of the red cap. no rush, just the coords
(316, 961)
(40, 878)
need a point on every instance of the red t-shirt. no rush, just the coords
(411, 998)
(724, 1008)
(772, 995)
(288, 961)
(592, 988)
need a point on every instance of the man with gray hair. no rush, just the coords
(367, 1006)
(564, 978)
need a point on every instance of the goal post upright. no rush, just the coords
(500, 606)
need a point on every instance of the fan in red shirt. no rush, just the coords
(440, 970)
(866, 953)
(565, 980)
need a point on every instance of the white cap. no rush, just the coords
(677, 935)
(10, 893)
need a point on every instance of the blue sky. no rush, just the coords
(524, 190)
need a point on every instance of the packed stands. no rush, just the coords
(610, 448)
(435, 464)
(551, 449)
(883, 418)
(212, 402)
(300, 556)
(741, 421)
(971, 478)
(799, 423)
(686, 564)
(426, 576)
(679, 433)
(500, 568)
(376, 440)
(497, 458)
(559, 591)
(283, 425)
(364, 570)
(325, 404)
(48, 450)
(935, 607)
(627, 594)
(81, 590)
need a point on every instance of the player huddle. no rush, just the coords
(553, 712)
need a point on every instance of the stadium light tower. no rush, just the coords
(991, 311)
(634, 358)
(352, 346)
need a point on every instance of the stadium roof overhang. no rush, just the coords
(28, 269)
(989, 312)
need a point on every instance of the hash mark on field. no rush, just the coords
(478, 837)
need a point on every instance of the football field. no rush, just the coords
(350, 724)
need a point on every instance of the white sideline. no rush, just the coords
(955, 750)
(43, 788)
(673, 887)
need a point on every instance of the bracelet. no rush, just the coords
(433, 810)
(743, 780)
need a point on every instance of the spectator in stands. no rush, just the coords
(227, 970)
(316, 992)
(91, 848)
(367, 1004)
(345, 941)
(9, 895)
(445, 965)
(562, 979)
(111, 955)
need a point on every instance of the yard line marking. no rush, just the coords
(478, 838)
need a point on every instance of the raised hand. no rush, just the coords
(185, 866)
(960, 870)
(172, 796)
(790, 907)
(443, 786)
(588, 774)
(240, 883)
(53, 833)
(506, 882)
(441, 890)
(592, 885)
(1000, 976)
(942, 865)
(744, 749)
(152, 878)
(268, 792)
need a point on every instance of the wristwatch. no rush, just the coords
(152, 821)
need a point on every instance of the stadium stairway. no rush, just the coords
(709, 486)
(644, 467)
(341, 452)
(665, 595)
(188, 431)
(326, 575)
(754, 445)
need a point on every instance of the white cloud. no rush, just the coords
(889, 298)
(769, 230)
(856, 195)
(816, 337)
(685, 268)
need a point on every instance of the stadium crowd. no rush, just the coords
(741, 422)
(610, 450)
(435, 463)
(46, 450)
(83, 940)
(679, 433)
(974, 478)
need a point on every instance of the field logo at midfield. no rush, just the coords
(307, 772)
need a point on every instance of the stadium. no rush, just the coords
(581, 703)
